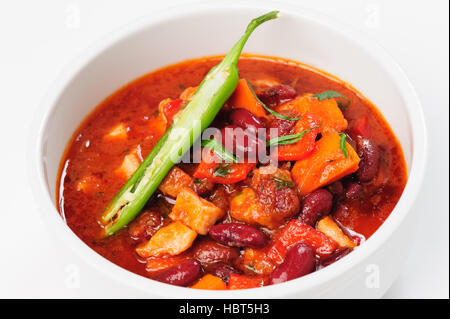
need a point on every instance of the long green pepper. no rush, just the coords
(215, 89)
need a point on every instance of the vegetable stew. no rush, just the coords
(331, 172)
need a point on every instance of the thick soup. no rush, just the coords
(335, 174)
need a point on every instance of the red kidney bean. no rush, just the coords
(300, 260)
(315, 205)
(208, 251)
(368, 167)
(182, 274)
(223, 271)
(238, 235)
(353, 191)
(336, 188)
(283, 127)
(333, 258)
(241, 142)
(246, 120)
(276, 94)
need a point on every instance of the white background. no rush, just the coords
(38, 38)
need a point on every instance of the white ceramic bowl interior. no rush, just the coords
(203, 29)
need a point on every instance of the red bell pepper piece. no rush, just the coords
(305, 146)
(296, 231)
(245, 282)
(216, 171)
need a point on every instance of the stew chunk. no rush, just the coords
(195, 212)
(271, 198)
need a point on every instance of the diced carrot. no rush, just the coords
(118, 132)
(174, 181)
(89, 185)
(257, 261)
(223, 173)
(245, 282)
(130, 164)
(326, 165)
(171, 240)
(210, 282)
(244, 98)
(329, 227)
(156, 264)
(195, 212)
(305, 146)
(296, 231)
(327, 111)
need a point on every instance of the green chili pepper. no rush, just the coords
(215, 89)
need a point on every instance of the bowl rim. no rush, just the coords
(46, 204)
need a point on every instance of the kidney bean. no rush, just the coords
(238, 235)
(353, 191)
(336, 188)
(182, 274)
(241, 142)
(276, 94)
(368, 167)
(223, 271)
(208, 251)
(245, 119)
(300, 260)
(315, 205)
(283, 127)
(334, 257)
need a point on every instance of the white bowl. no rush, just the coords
(208, 29)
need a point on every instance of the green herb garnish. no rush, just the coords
(289, 139)
(330, 95)
(281, 183)
(197, 181)
(269, 109)
(218, 149)
(222, 170)
(343, 144)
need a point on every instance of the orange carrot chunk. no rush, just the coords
(244, 98)
(210, 282)
(330, 228)
(326, 165)
(327, 111)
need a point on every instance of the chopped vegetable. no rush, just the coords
(174, 182)
(304, 142)
(210, 282)
(225, 173)
(362, 127)
(296, 231)
(326, 111)
(195, 212)
(212, 93)
(169, 240)
(245, 282)
(329, 227)
(244, 98)
(89, 185)
(257, 261)
(326, 165)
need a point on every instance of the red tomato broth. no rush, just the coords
(136, 105)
